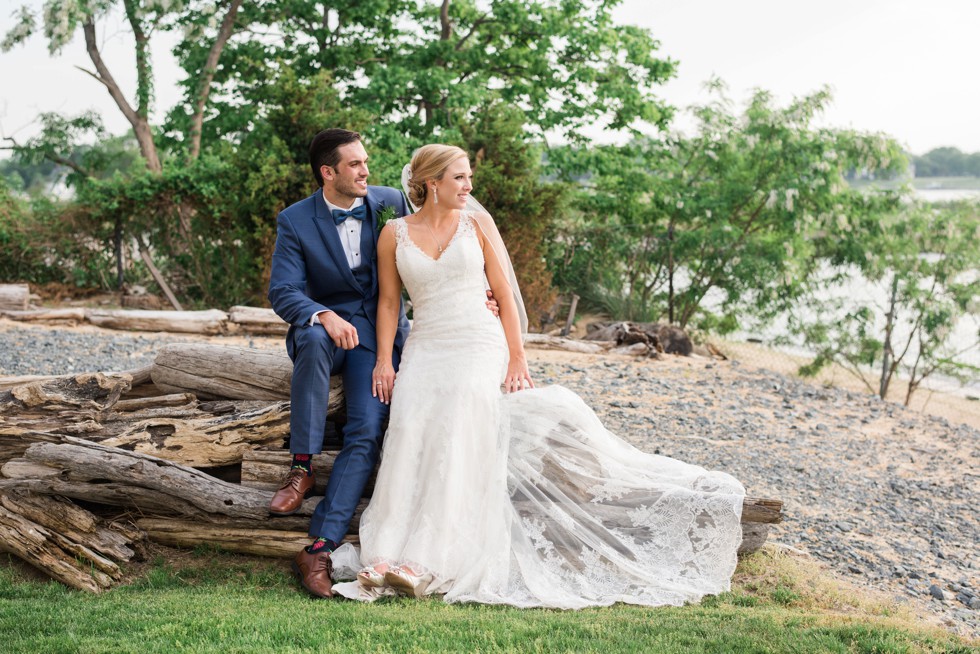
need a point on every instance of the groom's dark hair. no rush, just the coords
(323, 149)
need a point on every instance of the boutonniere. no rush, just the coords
(384, 215)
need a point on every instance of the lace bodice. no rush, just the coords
(449, 293)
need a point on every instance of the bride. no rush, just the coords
(518, 497)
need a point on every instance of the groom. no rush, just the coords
(325, 285)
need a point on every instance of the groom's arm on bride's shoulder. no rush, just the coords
(389, 305)
(287, 284)
(518, 375)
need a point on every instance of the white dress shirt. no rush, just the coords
(349, 232)
(350, 238)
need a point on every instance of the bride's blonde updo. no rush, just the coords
(430, 162)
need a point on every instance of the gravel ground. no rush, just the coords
(886, 496)
(36, 350)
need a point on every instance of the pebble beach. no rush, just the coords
(885, 496)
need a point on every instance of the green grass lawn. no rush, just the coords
(207, 602)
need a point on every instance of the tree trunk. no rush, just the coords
(207, 75)
(670, 273)
(117, 246)
(887, 351)
(141, 128)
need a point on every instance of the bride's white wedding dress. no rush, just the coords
(524, 498)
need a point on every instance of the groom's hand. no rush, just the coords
(492, 304)
(341, 332)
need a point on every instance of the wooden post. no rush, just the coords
(571, 316)
(160, 280)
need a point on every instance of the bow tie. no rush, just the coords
(357, 213)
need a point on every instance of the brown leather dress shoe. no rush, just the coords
(314, 572)
(295, 488)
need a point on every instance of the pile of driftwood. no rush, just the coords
(187, 451)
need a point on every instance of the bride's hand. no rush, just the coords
(383, 381)
(518, 376)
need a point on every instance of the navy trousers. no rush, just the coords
(315, 358)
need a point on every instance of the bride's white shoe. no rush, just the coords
(405, 580)
(373, 576)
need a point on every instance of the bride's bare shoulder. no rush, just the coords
(389, 233)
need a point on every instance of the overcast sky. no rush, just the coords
(905, 68)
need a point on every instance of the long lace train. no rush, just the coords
(526, 499)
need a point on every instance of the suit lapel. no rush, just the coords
(374, 208)
(369, 235)
(328, 232)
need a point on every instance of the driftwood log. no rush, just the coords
(211, 321)
(257, 321)
(215, 371)
(244, 540)
(14, 297)
(64, 540)
(89, 471)
(547, 342)
(148, 317)
(655, 336)
(175, 426)
(46, 315)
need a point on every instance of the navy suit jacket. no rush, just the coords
(310, 272)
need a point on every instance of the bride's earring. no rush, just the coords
(435, 195)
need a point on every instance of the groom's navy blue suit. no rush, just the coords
(310, 273)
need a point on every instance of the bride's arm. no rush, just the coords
(389, 302)
(518, 375)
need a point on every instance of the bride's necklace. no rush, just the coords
(433, 235)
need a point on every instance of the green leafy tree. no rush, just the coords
(426, 67)
(408, 72)
(701, 229)
(62, 19)
(922, 267)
